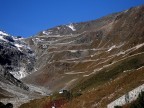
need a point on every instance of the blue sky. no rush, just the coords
(28, 17)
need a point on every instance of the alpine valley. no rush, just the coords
(77, 65)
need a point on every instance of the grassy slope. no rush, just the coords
(46, 102)
(37, 103)
(102, 95)
(96, 88)
(105, 86)
(111, 72)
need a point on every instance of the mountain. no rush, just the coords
(17, 60)
(97, 61)
(15, 55)
(77, 28)
(67, 55)
(90, 56)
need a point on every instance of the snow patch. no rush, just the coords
(58, 28)
(17, 38)
(71, 26)
(18, 46)
(38, 40)
(1, 38)
(3, 33)
(19, 74)
(47, 33)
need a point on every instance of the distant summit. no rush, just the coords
(3, 33)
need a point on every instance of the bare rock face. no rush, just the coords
(8, 78)
(16, 56)
(16, 61)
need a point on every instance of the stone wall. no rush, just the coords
(127, 98)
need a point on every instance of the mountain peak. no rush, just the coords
(3, 33)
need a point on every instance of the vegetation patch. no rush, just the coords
(56, 100)
(111, 73)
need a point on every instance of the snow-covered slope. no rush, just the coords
(16, 56)
(3, 33)
(16, 61)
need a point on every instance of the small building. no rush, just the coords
(62, 91)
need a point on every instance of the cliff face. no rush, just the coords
(127, 98)
(7, 77)
(16, 56)
(16, 61)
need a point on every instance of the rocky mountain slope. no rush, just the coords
(16, 61)
(69, 53)
(15, 55)
(101, 59)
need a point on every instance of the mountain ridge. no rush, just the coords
(88, 58)
(58, 44)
